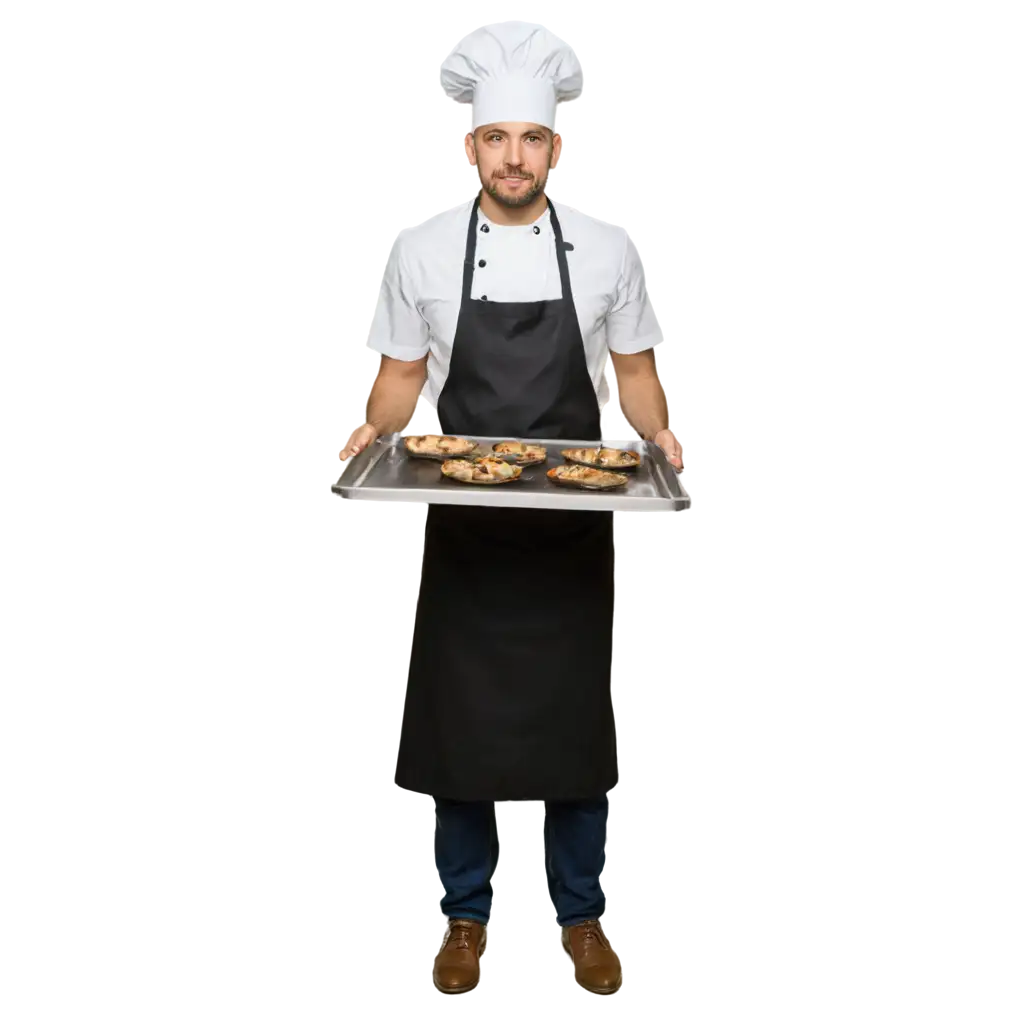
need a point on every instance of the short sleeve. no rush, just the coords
(398, 329)
(631, 323)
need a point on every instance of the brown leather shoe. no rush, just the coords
(597, 967)
(457, 965)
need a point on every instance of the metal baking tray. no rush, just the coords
(384, 471)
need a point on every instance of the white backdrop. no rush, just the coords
(710, 60)
(807, 275)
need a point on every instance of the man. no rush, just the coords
(502, 312)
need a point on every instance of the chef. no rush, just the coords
(503, 312)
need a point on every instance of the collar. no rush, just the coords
(541, 222)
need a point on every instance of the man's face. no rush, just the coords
(513, 159)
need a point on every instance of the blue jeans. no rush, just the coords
(466, 852)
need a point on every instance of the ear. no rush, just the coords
(556, 149)
(471, 148)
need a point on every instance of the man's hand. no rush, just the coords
(666, 440)
(361, 437)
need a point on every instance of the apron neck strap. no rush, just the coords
(467, 265)
(563, 263)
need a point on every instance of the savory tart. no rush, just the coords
(587, 478)
(488, 469)
(438, 446)
(522, 454)
(606, 458)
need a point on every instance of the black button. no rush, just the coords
(484, 297)
(482, 263)
(485, 227)
(536, 230)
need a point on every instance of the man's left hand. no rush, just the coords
(666, 440)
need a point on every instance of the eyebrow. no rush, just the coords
(531, 131)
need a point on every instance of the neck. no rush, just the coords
(502, 214)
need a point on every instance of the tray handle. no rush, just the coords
(350, 474)
(667, 475)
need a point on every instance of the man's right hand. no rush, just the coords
(361, 437)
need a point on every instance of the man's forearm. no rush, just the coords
(390, 408)
(393, 399)
(643, 403)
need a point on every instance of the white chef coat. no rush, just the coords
(420, 295)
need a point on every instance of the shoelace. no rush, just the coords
(591, 932)
(459, 936)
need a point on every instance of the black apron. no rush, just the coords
(509, 688)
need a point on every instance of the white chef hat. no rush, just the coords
(512, 71)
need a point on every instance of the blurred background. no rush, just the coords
(817, 674)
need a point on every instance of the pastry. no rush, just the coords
(522, 454)
(488, 469)
(605, 458)
(586, 478)
(438, 446)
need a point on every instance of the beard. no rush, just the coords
(524, 198)
(520, 199)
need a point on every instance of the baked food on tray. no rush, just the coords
(438, 446)
(603, 458)
(586, 478)
(488, 469)
(522, 454)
